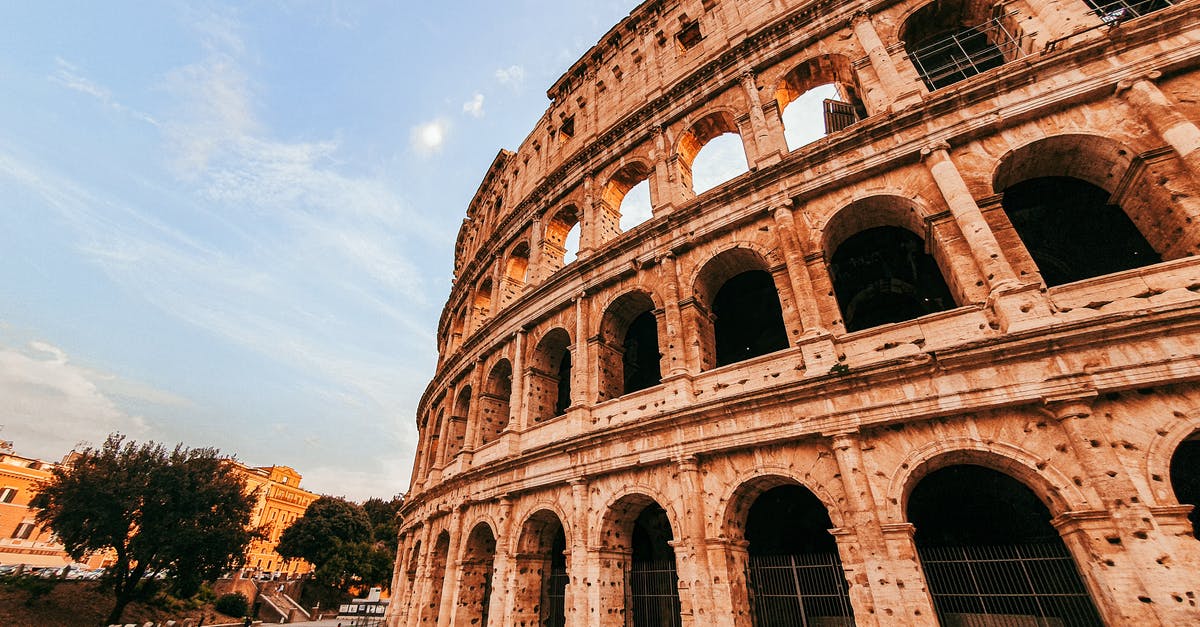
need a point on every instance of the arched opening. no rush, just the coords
(1114, 11)
(711, 152)
(458, 328)
(541, 572)
(411, 571)
(818, 97)
(482, 305)
(437, 576)
(795, 572)
(434, 442)
(558, 246)
(456, 433)
(747, 318)
(883, 275)
(628, 352)
(951, 40)
(653, 582)
(550, 376)
(623, 205)
(1185, 478)
(475, 588)
(495, 402)
(990, 554)
(516, 270)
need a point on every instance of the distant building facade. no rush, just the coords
(281, 501)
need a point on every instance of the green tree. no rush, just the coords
(338, 538)
(183, 513)
(385, 526)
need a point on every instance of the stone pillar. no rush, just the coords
(423, 586)
(887, 586)
(590, 217)
(985, 250)
(665, 192)
(676, 355)
(729, 564)
(1125, 561)
(517, 420)
(580, 582)
(439, 460)
(501, 603)
(1157, 112)
(694, 570)
(768, 147)
(802, 288)
(582, 366)
(471, 439)
(900, 93)
(453, 570)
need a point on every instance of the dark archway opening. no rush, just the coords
(437, 575)
(554, 592)
(1185, 478)
(949, 41)
(475, 593)
(1071, 230)
(883, 275)
(749, 319)
(653, 583)
(563, 399)
(641, 358)
(990, 554)
(796, 576)
(1114, 11)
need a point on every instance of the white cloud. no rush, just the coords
(512, 76)
(50, 404)
(474, 106)
(68, 76)
(428, 138)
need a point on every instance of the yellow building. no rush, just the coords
(22, 540)
(281, 501)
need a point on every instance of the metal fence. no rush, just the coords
(1118, 11)
(966, 53)
(654, 591)
(556, 598)
(799, 591)
(1022, 585)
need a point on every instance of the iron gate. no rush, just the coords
(556, 598)
(654, 592)
(1020, 585)
(799, 591)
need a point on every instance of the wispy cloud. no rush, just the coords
(511, 76)
(68, 76)
(474, 106)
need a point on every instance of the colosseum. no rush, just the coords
(937, 362)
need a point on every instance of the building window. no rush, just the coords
(23, 531)
(7, 495)
(689, 36)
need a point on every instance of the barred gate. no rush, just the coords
(799, 591)
(1020, 585)
(654, 592)
(556, 598)
(966, 53)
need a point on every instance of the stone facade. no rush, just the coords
(911, 338)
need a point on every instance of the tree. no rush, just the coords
(337, 537)
(385, 526)
(183, 513)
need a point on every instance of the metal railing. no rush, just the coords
(556, 598)
(1118, 11)
(966, 52)
(799, 591)
(1020, 585)
(654, 591)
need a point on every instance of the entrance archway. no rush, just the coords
(541, 572)
(990, 554)
(437, 576)
(1185, 478)
(475, 588)
(653, 582)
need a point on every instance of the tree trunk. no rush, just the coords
(123, 599)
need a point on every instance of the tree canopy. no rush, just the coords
(347, 543)
(183, 513)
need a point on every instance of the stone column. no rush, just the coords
(729, 564)
(439, 460)
(517, 420)
(768, 147)
(676, 356)
(454, 559)
(665, 192)
(422, 587)
(900, 93)
(582, 368)
(501, 603)
(536, 273)
(887, 586)
(802, 288)
(986, 251)
(1144, 585)
(580, 580)
(695, 553)
(589, 217)
(471, 439)
(1157, 112)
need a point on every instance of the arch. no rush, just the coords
(495, 402)
(640, 529)
(549, 376)
(1054, 487)
(411, 569)
(434, 442)
(990, 551)
(481, 305)
(541, 570)
(1167, 439)
(456, 432)
(951, 40)
(744, 317)
(438, 555)
(475, 575)
(888, 208)
(556, 238)
(1058, 194)
(516, 273)
(750, 485)
(841, 103)
(622, 508)
(630, 351)
(613, 216)
(692, 143)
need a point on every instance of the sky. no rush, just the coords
(232, 225)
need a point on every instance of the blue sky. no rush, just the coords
(232, 226)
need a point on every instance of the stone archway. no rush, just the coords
(541, 572)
